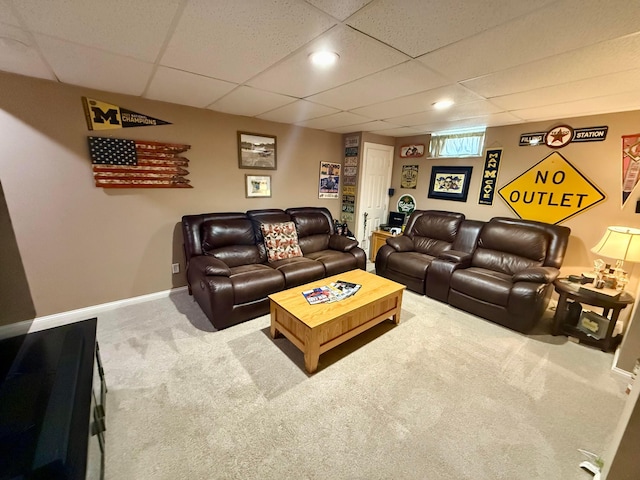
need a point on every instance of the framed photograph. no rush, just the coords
(593, 325)
(257, 186)
(257, 151)
(415, 150)
(450, 183)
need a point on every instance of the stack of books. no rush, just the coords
(334, 292)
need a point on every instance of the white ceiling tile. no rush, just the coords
(359, 56)
(236, 40)
(456, 112)
(573, 24)
(132, 28)
(418, 102)
(612, 56)
(185, 88)
(365, 127)
(19, 54)
(582, 89)
(297, 111)
(250, 102)
(340, 9)
(406, 78)
(416, 27)
(78, 65)
(6, 14)
(399, 132)
(334, 120)
(614, 103)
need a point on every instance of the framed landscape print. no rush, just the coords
(257, 151)
(258, 186)
(450, 183)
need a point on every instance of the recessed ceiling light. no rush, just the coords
(442, 104)
(324, 58)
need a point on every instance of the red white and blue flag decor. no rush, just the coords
(121, 163)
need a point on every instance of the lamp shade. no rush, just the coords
(620, 243)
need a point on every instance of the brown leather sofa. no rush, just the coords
(228, 268)
(502, 270)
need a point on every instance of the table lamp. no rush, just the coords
(621, 244)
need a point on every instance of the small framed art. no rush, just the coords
(257, 151)
(450, 183)
(414, 150)
(258, 186)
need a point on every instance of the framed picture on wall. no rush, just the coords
(415, 150)
(257, 151)
(450, 183)
(257, 186)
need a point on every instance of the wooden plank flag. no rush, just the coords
(121, 163)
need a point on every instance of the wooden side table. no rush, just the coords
(378, 239)
(611, 309)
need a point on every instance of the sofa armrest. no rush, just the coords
(536, 275)
(342, 243)
(456, 256)
(401, 244)
(209, 266)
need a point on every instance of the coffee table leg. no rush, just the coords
(311, 351)
(274, 314)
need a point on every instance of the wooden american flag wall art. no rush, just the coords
(121, 163)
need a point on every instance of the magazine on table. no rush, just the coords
(334, 292)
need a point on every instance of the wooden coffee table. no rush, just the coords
(314, 329)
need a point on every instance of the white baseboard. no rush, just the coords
(64, 318)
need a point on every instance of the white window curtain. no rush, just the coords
(467, 144)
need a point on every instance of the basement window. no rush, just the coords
(458, 144)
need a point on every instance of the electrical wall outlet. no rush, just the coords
(175, 267)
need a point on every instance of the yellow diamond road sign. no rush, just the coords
(551, 191)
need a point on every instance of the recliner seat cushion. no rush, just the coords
(486, 285)
(299, 270)
(254, 282)
(334, 262)
(411, 264)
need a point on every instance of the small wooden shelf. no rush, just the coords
(378, 239)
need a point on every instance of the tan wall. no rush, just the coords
(82, 245)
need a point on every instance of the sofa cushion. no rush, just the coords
(411, 264)
(280, 240)
(254, 282)
(334, 261)
(486, 285)
(299, 270)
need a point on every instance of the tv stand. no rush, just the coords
(51, 406)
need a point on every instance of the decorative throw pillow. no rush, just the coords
(280, 240)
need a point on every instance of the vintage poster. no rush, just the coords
(409, 176)
(630, 164)
(329, 180)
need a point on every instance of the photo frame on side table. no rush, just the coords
(257, 186)
(450, 183)
(257, 151)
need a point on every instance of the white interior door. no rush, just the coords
(373, 190)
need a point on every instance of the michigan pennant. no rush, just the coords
(105, 116)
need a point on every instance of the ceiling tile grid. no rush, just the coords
(500, 61)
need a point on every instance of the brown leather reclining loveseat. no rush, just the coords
(232, 268)
(502, 270)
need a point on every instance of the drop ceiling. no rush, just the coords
(501, 61)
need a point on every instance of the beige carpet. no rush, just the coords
(443, 395)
